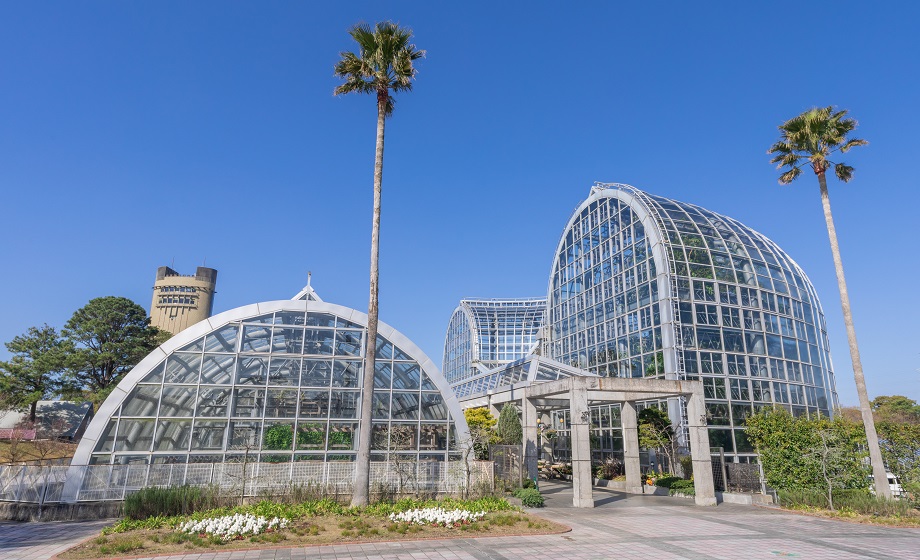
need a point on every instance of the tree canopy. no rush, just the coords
(509, 427)
(810, 139)
(110, 335)
(34, 372)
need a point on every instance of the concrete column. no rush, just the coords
(699, 450)
(583, 485)
(630, 421)
(529, 413)
(493, 409)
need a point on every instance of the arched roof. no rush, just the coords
(215, 323)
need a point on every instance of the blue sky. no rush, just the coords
(135, 135)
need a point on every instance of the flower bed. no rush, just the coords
(231, 527)
(438, 517)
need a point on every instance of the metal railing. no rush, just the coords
(45, 484)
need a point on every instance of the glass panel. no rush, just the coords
(316, 373)
(194, 346)
(384, 349)
(107, 438)
(290, 318)
(224, 340)
(214, 401)
(217, 368)
(381, 407)
(248, 403)
(314, 404)
(383, 374)
(208, 435)
(134, 435)
(342, 436)
(183, 368)
(142, 402)
(433, 437)
(178, 401)
(279, 437)
(320, 320)
(284, 371)
(407, 375)
(319, 341)
(427, 384)
(346, 373)
(252, 371)
(311, 435)
(433, 407)
(405, 406)
(344, 404)
(156, 374)
(404, 437)
(244, 436)
(256, 338)
(347, 343)
(287, 340)
(173, 435)
(281, 403)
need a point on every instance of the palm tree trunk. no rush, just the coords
(360, 495)
(875, 454)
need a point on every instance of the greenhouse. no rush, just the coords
(273, 384)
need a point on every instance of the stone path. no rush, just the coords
(621, 527)
(39, 541)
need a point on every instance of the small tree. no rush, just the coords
(482, 430)
(34, 372)
(508, 428)
(656, 432)
(830, 457)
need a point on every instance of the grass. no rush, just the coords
(852, 505)
(317, 522)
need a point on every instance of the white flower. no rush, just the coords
(230, 527)
(437, 516)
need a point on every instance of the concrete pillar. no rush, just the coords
(529, 413)
(630, 421)
(494, 410)
(699, 450)
(583, 485)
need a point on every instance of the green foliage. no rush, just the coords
(482, 430)
(528, 483)
(110, 335)
(509, 428)
(855, 500)
(530, 497)
(681, 486)
(155, 502)
(279, 436)
(900, 443)
(669, 481)
(656, 432)
(809, 139)
(686, 465)
(896, 408)
(34, 372)
(789, 450)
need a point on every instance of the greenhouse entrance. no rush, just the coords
(576, 394)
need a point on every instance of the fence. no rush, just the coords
(45, 484)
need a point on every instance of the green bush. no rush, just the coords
(528, 483)
(530, 497)
(681, 486)
(174, 500)
(668, 481)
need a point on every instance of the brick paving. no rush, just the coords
(621, 527)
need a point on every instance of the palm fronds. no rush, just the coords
(812, 137)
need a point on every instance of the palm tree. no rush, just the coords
(382, 65)
(810, 139)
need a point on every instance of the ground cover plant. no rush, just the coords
(314, 522)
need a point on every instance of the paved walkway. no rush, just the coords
(621, 527)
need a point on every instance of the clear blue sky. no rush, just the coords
(135, 135)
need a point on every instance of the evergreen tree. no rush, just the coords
(34, 372)
(509, 427)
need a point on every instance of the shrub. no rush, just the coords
(858, 501)
(530, 497)
(669, 481)
(681, 486)
(174, 500)
(509, 427)
(528, 483)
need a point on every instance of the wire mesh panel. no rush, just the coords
(507, 461)
(743, 477)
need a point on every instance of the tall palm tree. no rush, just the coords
(382, 66)
(811, 139)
